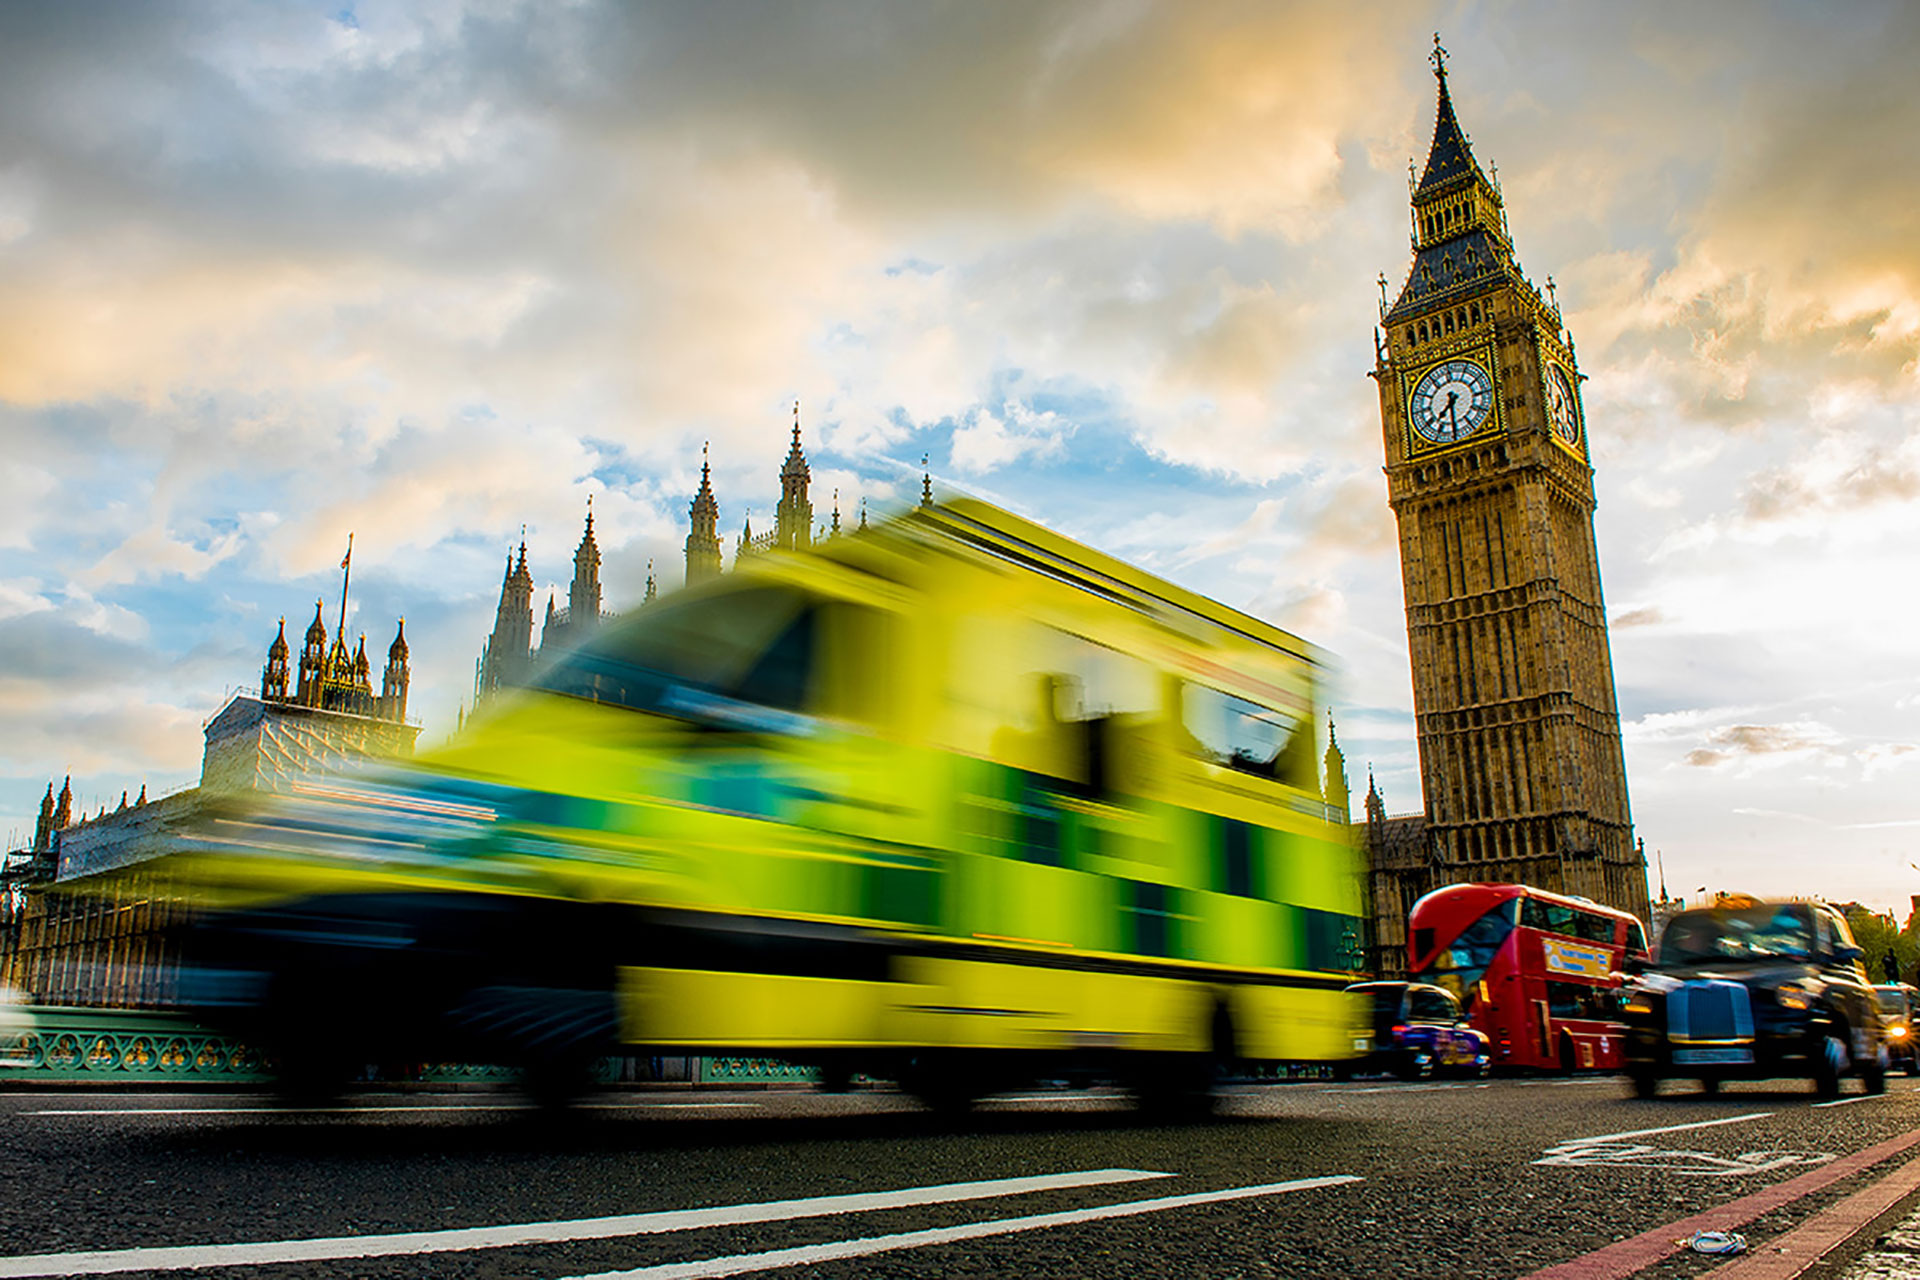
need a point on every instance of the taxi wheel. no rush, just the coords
(1417, 1065)
(1829, 1066)
(1873, 1074)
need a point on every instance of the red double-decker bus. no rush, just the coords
(1536, 971)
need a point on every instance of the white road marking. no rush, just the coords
(1410, 1088)
(174, 1258)
(1692, 1164)
(349, 1111)
(1847, 1102)
(1665, 1128)
(742, 1263)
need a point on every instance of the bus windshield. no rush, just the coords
(1459, 967)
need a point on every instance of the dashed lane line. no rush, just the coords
(806, 1255)
(266, 1253)
(1847, 1102)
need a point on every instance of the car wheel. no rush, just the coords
(1829, 1066)
(1873, 1074)
(1645, 1084)
(1710, 1085)
(1417, 1065)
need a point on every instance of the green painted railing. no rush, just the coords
(140, 1048)
(121, 1046)
(755, 1070)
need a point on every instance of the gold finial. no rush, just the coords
(1553, 295)
(1438, 58)
(1382, 282)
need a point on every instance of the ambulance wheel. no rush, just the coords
(941, 1086)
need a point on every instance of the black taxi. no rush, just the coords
(1751, 990)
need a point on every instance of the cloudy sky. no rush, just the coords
(431, 272)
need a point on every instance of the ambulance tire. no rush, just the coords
(942, 1084)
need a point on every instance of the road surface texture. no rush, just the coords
(1506, 1178)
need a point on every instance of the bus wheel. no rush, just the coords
(1645, 1084)
(1569, 1060)
(1710, 1085)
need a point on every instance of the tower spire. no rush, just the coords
(926, 482)
(703, 527)
(793, 519)
(583, 595)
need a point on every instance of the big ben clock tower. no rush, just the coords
(1490, 479)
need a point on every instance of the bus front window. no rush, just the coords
(1459, 967)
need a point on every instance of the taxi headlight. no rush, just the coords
(1792, 997)
(1896, 1032)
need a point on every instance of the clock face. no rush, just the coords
(1451, 401)
(1563, 414)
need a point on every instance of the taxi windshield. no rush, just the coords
(1762, 932)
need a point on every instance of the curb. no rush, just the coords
(1800, 1249)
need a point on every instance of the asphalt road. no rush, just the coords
(1372, 1178)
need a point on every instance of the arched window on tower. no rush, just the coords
(1474, 310)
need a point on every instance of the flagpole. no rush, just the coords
(346, 575)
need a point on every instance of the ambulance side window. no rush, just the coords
(1247, 737)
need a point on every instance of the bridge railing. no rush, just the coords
(141, 1048)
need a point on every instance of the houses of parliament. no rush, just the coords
(509, 655)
